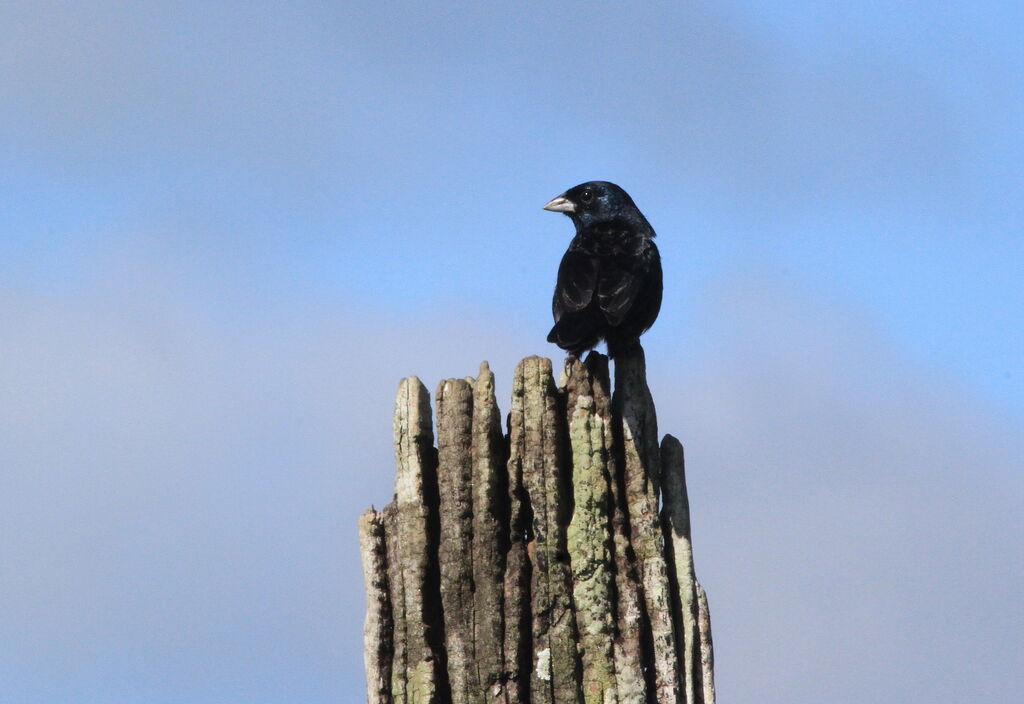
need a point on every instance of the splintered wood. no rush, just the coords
(550, 563)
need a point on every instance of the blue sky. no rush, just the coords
(228, 229)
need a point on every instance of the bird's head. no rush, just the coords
(597, 202)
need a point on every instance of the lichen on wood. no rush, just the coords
(641, 475)
(707, 653)
(537, 437)
(454, 399)
(676, 522)
(414, 547)
(490, 539)
(379, 626)
(589, 535)
(533, 566)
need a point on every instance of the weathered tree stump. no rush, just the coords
(551, 564)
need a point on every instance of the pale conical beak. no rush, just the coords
(561, 204)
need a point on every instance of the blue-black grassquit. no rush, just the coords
(609, 282)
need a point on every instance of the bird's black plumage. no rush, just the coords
(609, 282)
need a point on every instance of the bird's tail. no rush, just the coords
(575, 333)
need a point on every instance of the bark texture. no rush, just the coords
(535, 565)
(454, 399)
(638, 424)
(675, 519)
(537, 438)
(490, 539)
(377, 630)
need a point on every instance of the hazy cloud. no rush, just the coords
(179, 500)
(230, 228)
(709, 94)
(853, 512)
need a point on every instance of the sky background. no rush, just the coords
(227, 229)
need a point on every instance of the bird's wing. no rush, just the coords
(617, 290)
(577, 282)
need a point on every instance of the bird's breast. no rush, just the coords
(611, 243)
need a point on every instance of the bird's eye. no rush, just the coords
(586, 196)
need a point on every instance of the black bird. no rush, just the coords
(609, 282)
